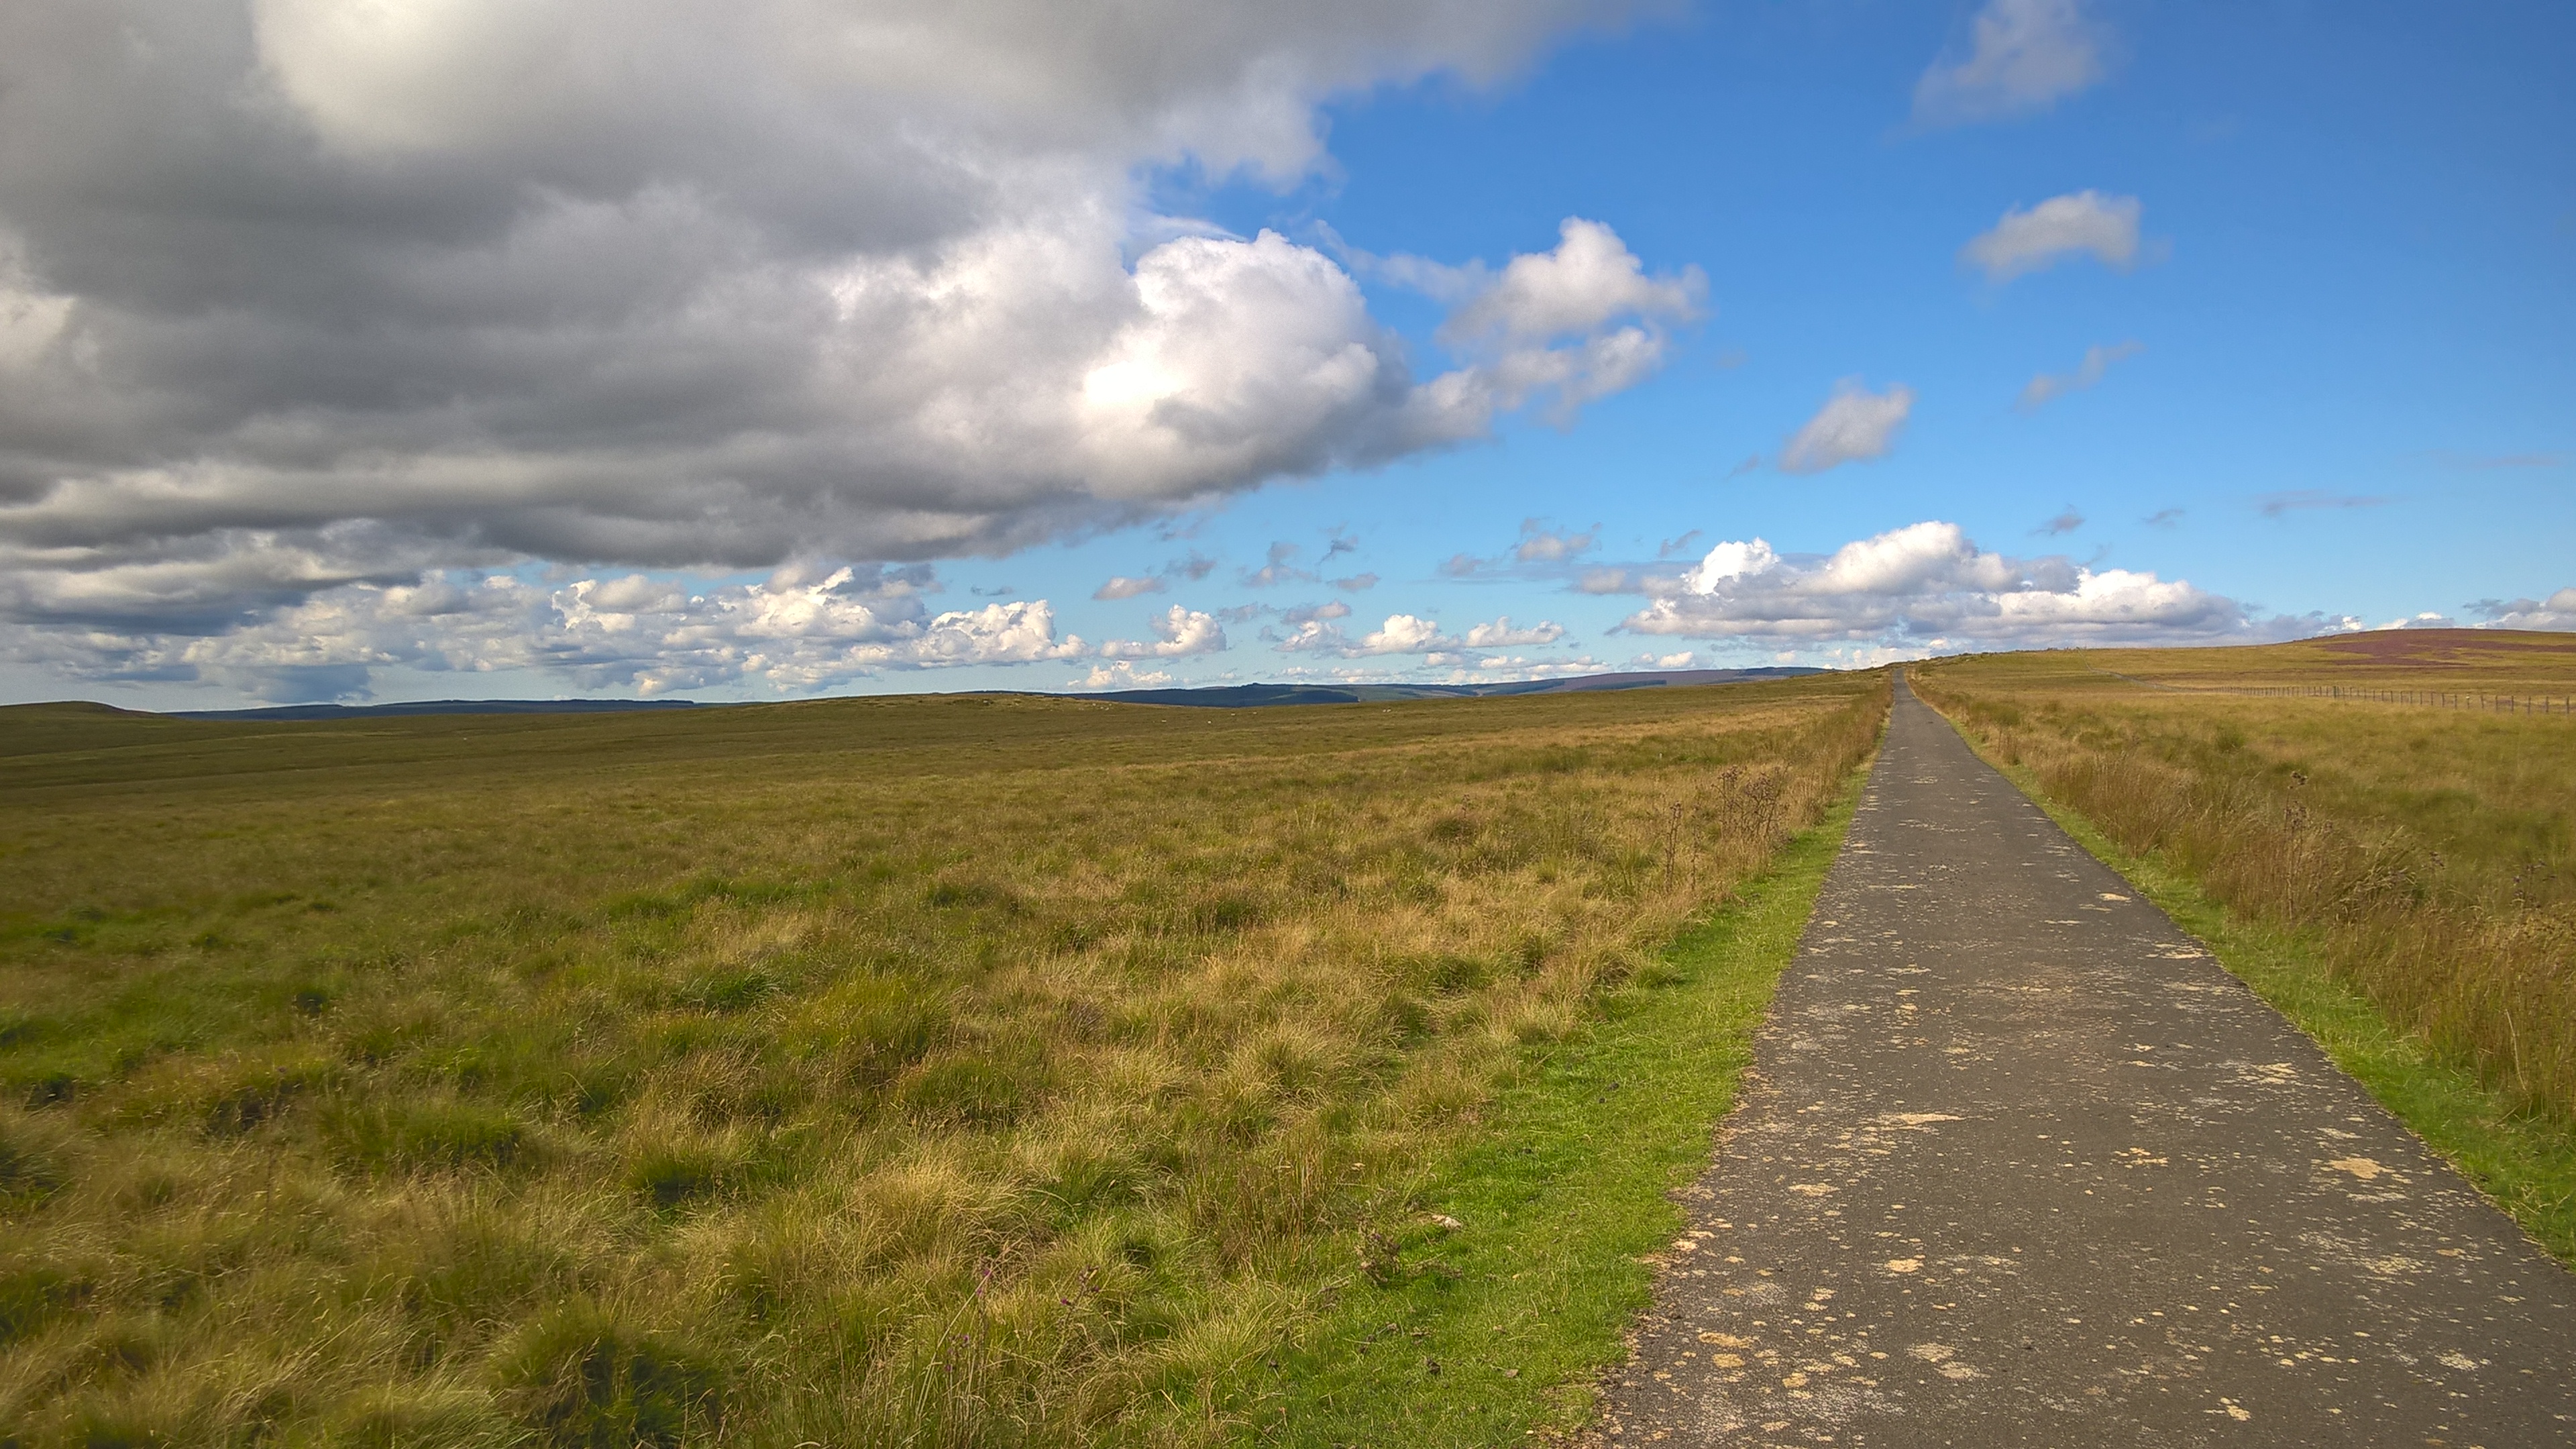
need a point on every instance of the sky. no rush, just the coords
(536, 348)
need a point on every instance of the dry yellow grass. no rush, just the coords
(2430, 849)
(969, 1071)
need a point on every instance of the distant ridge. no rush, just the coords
(1229, 696)
(1240, 696)
(437, 706)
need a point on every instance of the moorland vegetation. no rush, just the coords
(963, 1071)
(2367, 795)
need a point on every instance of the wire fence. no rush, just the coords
(2429, 698)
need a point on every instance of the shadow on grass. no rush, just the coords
(1485, 1312)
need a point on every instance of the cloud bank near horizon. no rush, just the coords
(1928, 586)
(1924, 588)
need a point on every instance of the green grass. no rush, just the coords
(925, 1072)
(2525, 1163)
(1483, 1333)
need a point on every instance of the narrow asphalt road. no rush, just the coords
(2020, 1164)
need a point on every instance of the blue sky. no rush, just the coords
(2331, 382)
(2370, 293)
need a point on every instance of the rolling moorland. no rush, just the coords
(1020, 1071)
(953, 1071)
(2389, 814)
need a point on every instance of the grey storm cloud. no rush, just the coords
(298, 296)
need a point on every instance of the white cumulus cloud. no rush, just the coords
(1500, 634)
(1853, 426)
(1124, 586)
(466, 284)
(2097, 361)
(1403, 634)
(1412, 634)
(2022, 56)
(1178, 633)
(1563, 328)
(1558, 329)
(1543, 548)
(1731, 560)
(2079, 223)
(1465, 668)
(1542, 544)
(1590, 280)
(1928, 583)
(1122, 675)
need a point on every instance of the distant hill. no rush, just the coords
(437, 706)
(1238, 696)
(1232, 696)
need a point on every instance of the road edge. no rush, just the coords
(2524, 1167)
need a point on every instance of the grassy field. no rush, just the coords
(931, 1072)
(1487, 1332)
(2334, 798)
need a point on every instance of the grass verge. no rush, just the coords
(1487, 1331)
(2524, 1163)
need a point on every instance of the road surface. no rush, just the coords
(2020, 1164)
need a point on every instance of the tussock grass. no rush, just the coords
(1488, 1331)
(2425, 856)
(928, 1072)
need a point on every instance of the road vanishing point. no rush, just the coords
(2018, 1163)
